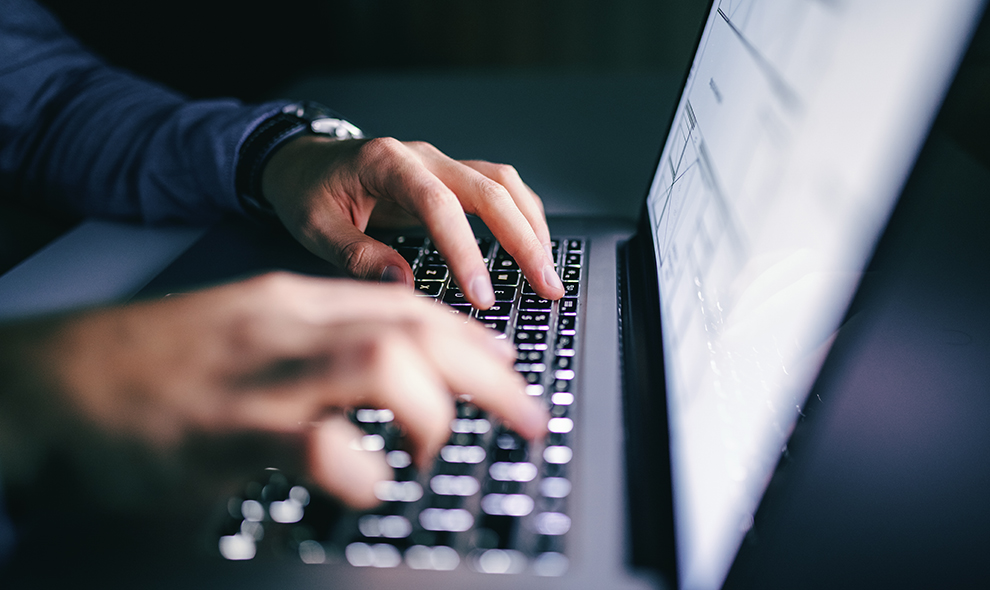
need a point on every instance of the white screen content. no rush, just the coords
(797, 128)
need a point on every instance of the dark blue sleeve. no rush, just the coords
(80, 136)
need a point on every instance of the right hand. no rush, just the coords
(326, 191)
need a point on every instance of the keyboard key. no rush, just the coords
(467, 411)
(389, 526)
(507, 504)
(571, 274)
(557, 455)
(568, 306)
(454, 485)
(503, 293)
(470, 426)
(460, 309)
(555, 487)
(532, 378)
(575, 245)
(443, 558)
(521, 472)
(398, 491)
(458, 454)
(530, 337)
(532, 302)
(379, 555)
(432, 273)
(498, 325)
(572, 259)
(436, 519)
(531, 346)
(529, 356)
(433, 260)
(565, 324)
(533, 320)
(564, 342)
(509, 441)
(553, 523)
(499, 311)
(454, 297)
(560, 425)
(563, 362)
(551, 564)
(428, 288)
(504, 264)
(571, 289)
(505, 277)
(527, 289)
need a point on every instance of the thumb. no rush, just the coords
(339, 464)
(362, 256)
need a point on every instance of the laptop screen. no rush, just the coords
(797, 128)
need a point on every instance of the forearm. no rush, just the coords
(82, 137)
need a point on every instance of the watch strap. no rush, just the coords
(295, 119)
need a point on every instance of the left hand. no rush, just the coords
(325, 191)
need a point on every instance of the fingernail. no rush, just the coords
(481, 291)
(392, 274)
(551, 279)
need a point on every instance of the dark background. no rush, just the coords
(246, 49)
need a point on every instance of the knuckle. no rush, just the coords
(382, 147)
(435, 198)
(355, 256)
(276, 283)
(492, 193)
(504, 172)
(419, 145)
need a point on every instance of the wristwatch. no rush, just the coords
(293, 120)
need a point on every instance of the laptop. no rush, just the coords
(681, 361)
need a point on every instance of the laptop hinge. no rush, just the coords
(647, 441)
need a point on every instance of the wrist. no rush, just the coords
(271, 135)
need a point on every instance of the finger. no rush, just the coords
(397, 376)
(469, 369)
(415, 188)
(491, 201)
(528, 202)
(342, 243)
(339, 464)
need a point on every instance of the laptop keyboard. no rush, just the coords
(492, 502)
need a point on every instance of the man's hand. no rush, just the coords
(275, 359)
(325, 192)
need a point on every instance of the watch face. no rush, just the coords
(323, 121)
(333, 127)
